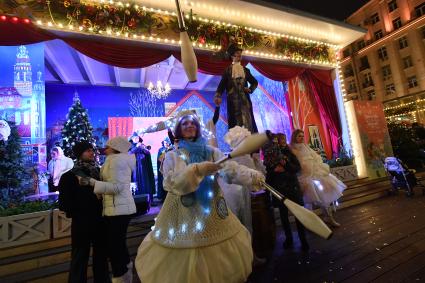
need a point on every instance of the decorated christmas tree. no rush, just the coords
(77, 127)
(11, 158)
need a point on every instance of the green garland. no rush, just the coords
(135, 20)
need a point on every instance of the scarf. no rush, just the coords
(237, 70)
(86, 169)
(198, 152)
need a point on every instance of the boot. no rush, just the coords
(331, 219)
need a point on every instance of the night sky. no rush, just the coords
(333, 9)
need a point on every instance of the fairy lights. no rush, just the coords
(299, 58)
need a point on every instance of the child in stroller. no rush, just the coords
(401, 176)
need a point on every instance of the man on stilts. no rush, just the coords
(235, 81)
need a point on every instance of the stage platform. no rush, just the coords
(49, 261)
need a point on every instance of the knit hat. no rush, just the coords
(80, 147)
(119, 143)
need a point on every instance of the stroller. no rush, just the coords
(401, 176)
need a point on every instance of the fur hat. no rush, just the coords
(232, 49)
(119, 143)
(80, 147)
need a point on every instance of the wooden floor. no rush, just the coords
(379, 241)
(382, 239)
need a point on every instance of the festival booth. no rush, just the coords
(121, 62)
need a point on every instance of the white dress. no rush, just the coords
(317, 184)
(190, 244)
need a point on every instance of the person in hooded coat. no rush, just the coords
(143, 173)
(58, 165)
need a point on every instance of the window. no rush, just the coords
(390, 89)
(382, 53)
(348, 71)
(420, 10)
(378, 34)
(367, 80)
(364, 63)
(352, 86)
(386, 72)
(371, 95)
(392, 5)
(361, 44)
(397, 23)
(412, 82)
(402, 42)
(375, 18)
(423, 32)
(346, 53)
(407, 62)
(368, 77)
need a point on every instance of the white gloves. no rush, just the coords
(206, 168)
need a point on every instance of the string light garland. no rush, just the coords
(404, 104)
(135, 22)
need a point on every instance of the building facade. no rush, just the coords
(387, 64)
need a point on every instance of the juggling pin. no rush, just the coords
(247, 146)
(187, 53)
(308, 218)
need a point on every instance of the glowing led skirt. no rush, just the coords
(229, 261)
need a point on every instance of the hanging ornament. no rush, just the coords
(131, 23)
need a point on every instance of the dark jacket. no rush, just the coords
(285, 182)
(78, 201)
(227, 85)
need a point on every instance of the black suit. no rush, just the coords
(88, 229)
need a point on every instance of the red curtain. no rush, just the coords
(325, 97)
(15, 31)
(119, 55)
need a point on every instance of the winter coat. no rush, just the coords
(115, 185)
(285, 182)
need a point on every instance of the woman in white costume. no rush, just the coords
(196, 238)
(317, 184)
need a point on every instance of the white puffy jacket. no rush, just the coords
(115, 185)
